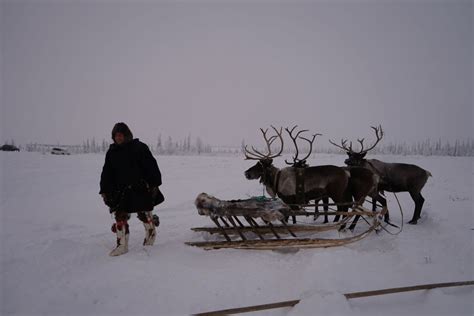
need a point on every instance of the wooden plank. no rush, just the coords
(289, 230)
(406, 289)
(266, 230)
(324, 204)
(253, 224)
(231, 220)
(333, 213)
(248, 309)
(271, 244)
(221, 228)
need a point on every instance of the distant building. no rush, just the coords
(59, 151)
(9, 148)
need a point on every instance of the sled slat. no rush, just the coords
(267, 230)
(270, 244)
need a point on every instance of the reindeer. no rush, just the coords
(394, 177)
(301, 163)
(362, 182)
(319, 181)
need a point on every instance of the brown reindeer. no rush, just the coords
(362, 182)
(394, 177)
(320, 181)
(301, 163)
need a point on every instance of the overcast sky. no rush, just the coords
(222, 69)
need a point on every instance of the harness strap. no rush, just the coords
(277, 182)
(300, 189)
(379, 173)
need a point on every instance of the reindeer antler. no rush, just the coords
(310, 144)
(257, 155)
(378, 134)
(294, 138)
(343, 145)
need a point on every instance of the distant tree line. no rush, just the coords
(181, 147)
(430, 148)
(189, 146)
(423, 148)
(170, 146)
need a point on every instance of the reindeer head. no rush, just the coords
(355, 159)
(259, 169)
(265, 161)
(358, 158)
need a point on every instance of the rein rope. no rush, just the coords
(390, 224)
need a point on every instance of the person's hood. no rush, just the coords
(122, 128)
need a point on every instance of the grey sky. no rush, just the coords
(71, 69)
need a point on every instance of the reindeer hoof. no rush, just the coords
(413, 222)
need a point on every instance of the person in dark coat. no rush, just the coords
(129, 184)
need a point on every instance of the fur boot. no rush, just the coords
(121, 229)
(150, 231)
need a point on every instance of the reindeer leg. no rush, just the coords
(359, 200)
(379, 198)
(342, 209)
(383, 201)
(345, 208)
(293, 208)
(419, 200)
(326, 209)
(316, 210)
(354, 222)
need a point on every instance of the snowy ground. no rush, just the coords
(55, 238)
